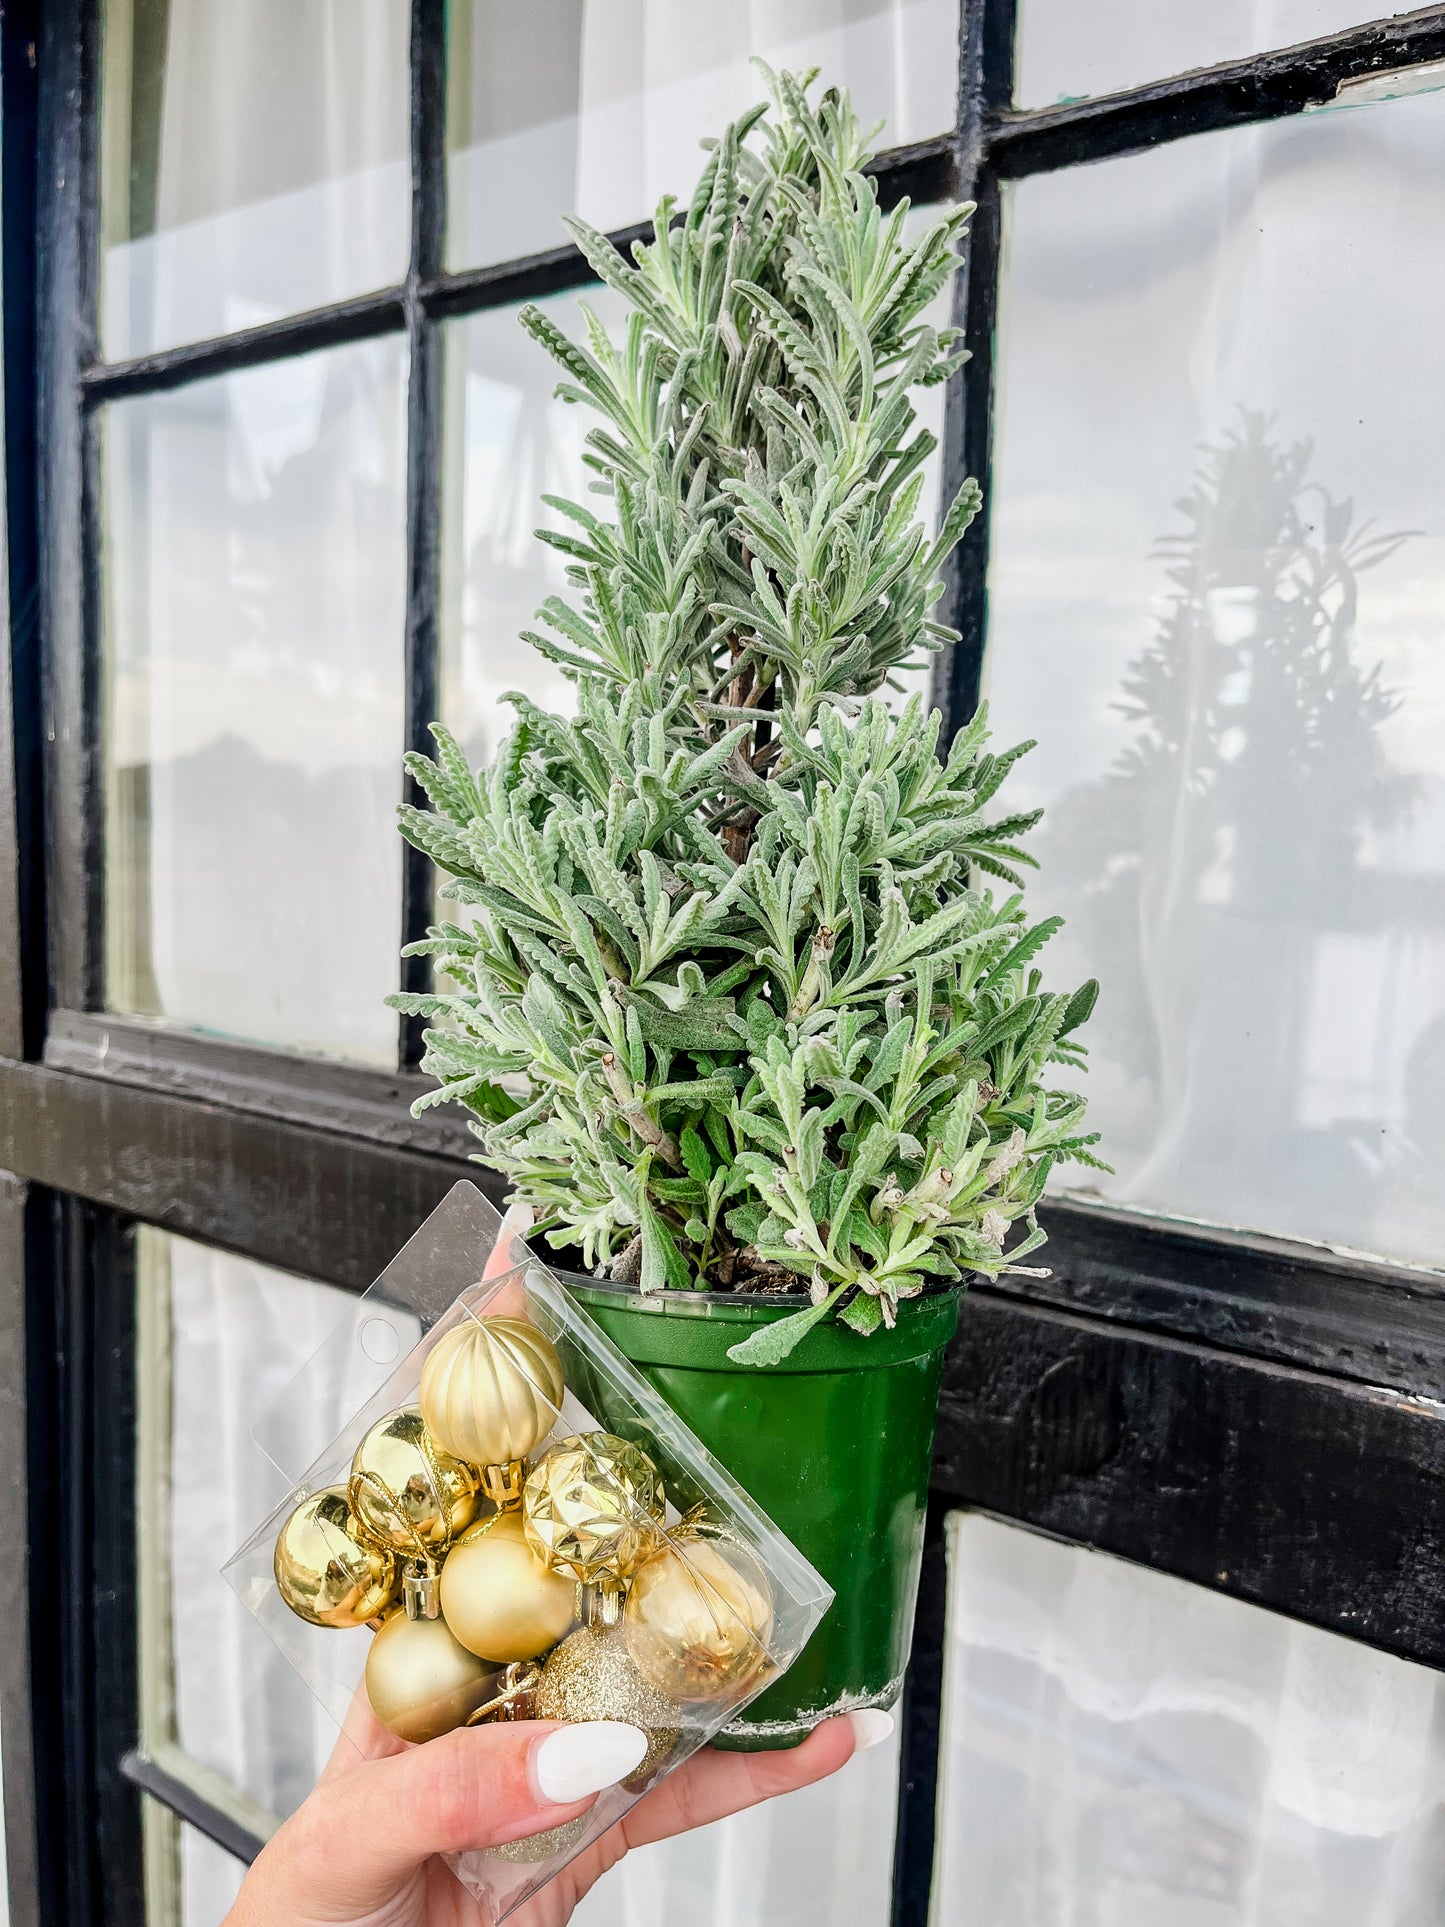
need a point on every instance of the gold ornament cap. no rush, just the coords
(591, 1676)
(421, 1681)
(592, 1507)
(491, 1390)
(698, 1616)
(406, 1493)
(499, 1599)
(326, 1571)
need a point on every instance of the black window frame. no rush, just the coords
(1249, 1414)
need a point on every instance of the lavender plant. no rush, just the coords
(724, 927)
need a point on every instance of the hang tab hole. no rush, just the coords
(380, 1341)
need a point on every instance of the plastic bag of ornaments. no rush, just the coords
(494, 1516)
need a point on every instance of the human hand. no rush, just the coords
(364, 1850)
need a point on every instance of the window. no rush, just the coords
(274, 452)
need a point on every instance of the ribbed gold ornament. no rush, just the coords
(408, 1495)
(421, 1681)
(491, 1390)
(497, 1596)
(591, 1676)
(326, 1571)
(592, 1505)
(698, 1615)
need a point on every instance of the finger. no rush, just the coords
(478, 1787)
(504, 1256)
(362, 1737)
(712, 1785)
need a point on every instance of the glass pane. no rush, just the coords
(189, 1880)
(219, 1338)
(1121, 1749)
(824, 1854)
(596, 107)
(254, 163)
(254, 589)
(1068, 49)
(508, 442)
(1218, 567)
(210, 1880)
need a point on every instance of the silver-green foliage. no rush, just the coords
(723, 925)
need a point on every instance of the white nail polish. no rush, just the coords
(871, 1726)
(578, 1760)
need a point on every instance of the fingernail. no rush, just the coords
(871, 1726)
(578, 1760)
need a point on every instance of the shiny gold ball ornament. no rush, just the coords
(406, 1493)
(491, 1390)
(326, 1571)
(498, 1598)
(698, 1616)
(591, 1676)
(421, 1681)
(592, 1506)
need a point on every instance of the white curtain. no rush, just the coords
(617, 95)
(275, 176)
(1122, 1749)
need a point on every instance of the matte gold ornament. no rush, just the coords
(326, 1571)
(491, 1390)
(498, 1598)
(592, 1505)
(698, 1616)
(591, 1676)
(408, 1495)
(421, 1681)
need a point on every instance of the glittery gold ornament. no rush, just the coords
(541, 1846)
(497, 1596)
(591, 1506)
(698, 1615)
(591, 1676)
(407, 1494)
(491, 1390)
(325, 1570)
(421, 1681)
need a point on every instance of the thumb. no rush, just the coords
(361, 1836)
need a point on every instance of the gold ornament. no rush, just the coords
(591, 1507)
(491, 1390)
(698, 1615)
(541, 1846)
(497, 1596)
(421, 1681)
(591, 1677)
(407, 1495)
(325, 1571)
(513, 1700)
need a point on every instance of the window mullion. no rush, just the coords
(423, 481)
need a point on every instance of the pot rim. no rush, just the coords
(742, 1301)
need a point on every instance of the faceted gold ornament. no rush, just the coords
(407, 1494)
(325, 1570)
(491, 1390)
(497, 1596)
(698, 1615)
(591, 1507)
(421, 1681)
(591, 1676)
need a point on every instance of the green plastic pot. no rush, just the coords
(835, 1445)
